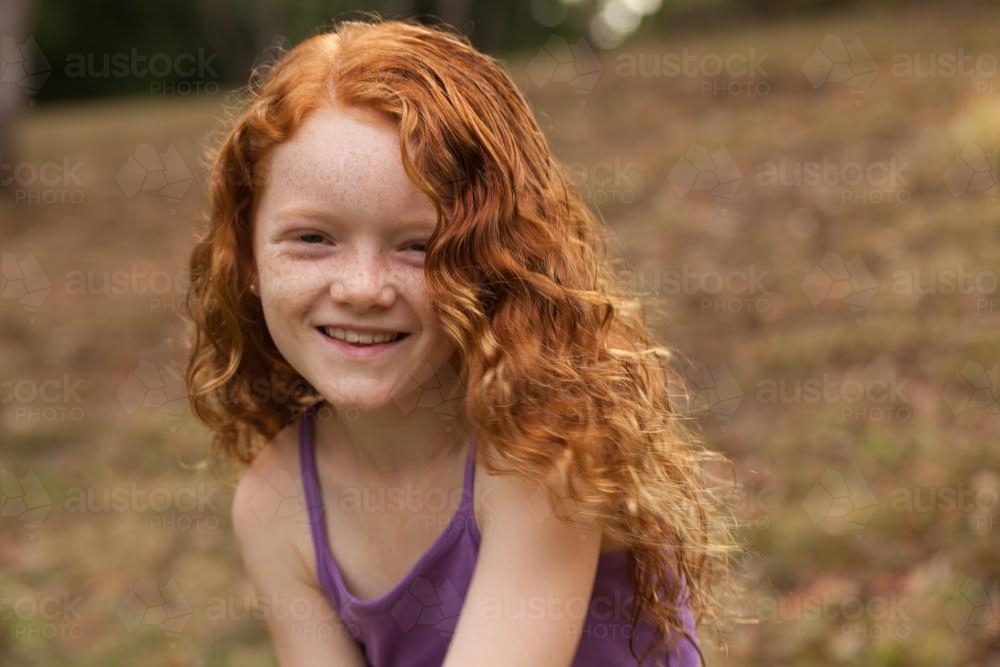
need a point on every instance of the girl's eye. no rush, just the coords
(312, 238)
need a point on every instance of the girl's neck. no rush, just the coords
(384, 448)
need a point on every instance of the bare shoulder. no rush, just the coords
(269, 486)
(515, 493)
(270, 521)
(275, 460)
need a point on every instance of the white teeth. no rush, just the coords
(363, 338)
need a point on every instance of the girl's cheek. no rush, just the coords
(293, 278)
(414, 282)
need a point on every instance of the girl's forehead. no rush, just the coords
(344, 158)
(336, 140)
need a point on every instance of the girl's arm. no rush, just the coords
(531, 588)
(282, 582)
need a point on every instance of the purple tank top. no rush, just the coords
(412, 624)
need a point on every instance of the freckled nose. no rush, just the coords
(364, 283)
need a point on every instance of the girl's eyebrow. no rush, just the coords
(299, 213)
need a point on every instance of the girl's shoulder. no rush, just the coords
(492, 489)
(280, 455)
(273, 473)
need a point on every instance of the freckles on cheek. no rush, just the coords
(291, 279)
(416, 288)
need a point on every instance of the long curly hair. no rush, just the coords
(559, 365)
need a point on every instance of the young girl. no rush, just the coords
(391, 234)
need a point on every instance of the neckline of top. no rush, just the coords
(464, 516)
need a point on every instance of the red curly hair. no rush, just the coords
(560, 368)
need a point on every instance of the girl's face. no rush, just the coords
(339, 238)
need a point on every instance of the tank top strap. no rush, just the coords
(470, 467)
(467, 511)
(314, 505)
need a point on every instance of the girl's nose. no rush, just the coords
(364, 283)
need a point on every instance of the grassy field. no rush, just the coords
(825, 254)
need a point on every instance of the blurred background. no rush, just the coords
(806, 189)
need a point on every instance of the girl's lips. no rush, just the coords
(363, 351)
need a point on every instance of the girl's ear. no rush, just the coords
(254, 285)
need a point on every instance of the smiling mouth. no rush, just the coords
(395, 339)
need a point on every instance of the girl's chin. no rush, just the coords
(353, 403)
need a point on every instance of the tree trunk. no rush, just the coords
(15, 24)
